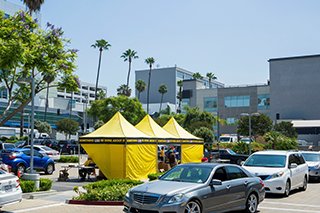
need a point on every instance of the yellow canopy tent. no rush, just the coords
(120, 150)
(191, 146)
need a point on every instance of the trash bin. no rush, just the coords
(34, 177)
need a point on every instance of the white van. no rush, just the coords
(228, 138)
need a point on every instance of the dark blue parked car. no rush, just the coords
(19, 160)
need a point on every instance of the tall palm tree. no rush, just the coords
(124, 90)
(211, 77)
(197, 75)
(48, 79)
(33, 5)
(150, 61)
(128, 55)
(162, 90)
(179, 96)
(140, 87)
(101, 45)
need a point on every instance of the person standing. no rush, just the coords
(162, 154)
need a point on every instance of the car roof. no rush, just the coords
(275, 152)
(207, 165)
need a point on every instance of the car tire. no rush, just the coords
(49, 169)
(21, 168)
(193, 206)
(305, 184)
(287, 189)
(252, 203)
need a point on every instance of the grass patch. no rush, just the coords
(69, 159)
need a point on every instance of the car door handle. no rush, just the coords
(228, 187)
(245, 182)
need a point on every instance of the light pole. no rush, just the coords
(250, 126)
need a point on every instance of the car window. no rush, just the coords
(300, 159)
(27, 152)
(293, 159)
(9, 146)
(220, 174)
(36, 153)
(234, 172)
(261, 160)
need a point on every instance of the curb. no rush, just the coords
(98, 203)
(32, 195)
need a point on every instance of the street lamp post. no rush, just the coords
(32, 122)
(250, 126)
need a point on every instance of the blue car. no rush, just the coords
(19, 160)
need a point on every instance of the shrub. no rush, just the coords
(154, 176)
(69, 159)
(45, 184)
(278, 141)
(27, 186)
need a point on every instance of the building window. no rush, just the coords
(185, 102)
(3, 93)
(264, 101)
(231, 121)
(237, 101)
(210, 104)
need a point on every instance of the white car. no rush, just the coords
(10, 190)
(313, 161)
(51, 153)
(281, 171)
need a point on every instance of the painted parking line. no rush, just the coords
(39, 207)
(289, 210)
(292, 204)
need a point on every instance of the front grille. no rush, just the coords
(134, 210)
(145, 198)
(263, 177)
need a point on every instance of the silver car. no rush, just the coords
(10, 190)
(197, 188)
(313, 161)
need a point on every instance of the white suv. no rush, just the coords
(281, 171)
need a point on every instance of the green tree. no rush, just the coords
(101, 45)
(287, 129)
(101, 95)
(260, 125)
(98, 124)
(124, 90)
(278, 141)
(140, 87)
(33, 5)
(211, 77)
(67, 126)
(163, 119)
(197, 75)
(162, 90)
(179, 95)
(195, 119)
(150, 61)
(42, 126)
(128, 55)
(130, 108)
(24, 48)
(205, 133)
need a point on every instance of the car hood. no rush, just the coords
(257, 171)
(166, 187)
(312, 163)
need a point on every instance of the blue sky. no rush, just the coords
(231, 38)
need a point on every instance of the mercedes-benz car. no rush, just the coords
(198, 188)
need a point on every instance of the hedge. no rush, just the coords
(69, 159)
(29, 185)
(155, 176)
(106, 190)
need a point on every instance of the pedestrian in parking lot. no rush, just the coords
(172, 159)
(162, 154)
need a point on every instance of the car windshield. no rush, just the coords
(9, 146)
(191, 174)
(311, 156)
(231, 152)
(224, 139)
(277, 161)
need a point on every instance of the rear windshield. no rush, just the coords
(224, 139)
(9, 146)
(277, 161)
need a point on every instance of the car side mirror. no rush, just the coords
(215, 182)
(242, 163)
(293, 165)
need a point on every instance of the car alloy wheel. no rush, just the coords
(252, 203)
(49, 169)
(287, 189)
(193, 207)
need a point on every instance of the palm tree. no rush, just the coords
(101, 45)
(33, 5)
(211, 77)
(197, 75)
(179, 96)
(48, 79)
(124, 90)
(150, 61)
(140, 87)
(128, 55)
(162, 90)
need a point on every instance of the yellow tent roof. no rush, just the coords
(175, 129)
(117, 127)
(148, 126)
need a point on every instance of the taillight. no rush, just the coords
(18, 183)
(49, 153)
(261, 183)
(12, 156)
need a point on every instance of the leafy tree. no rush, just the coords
(130, 108)
(67, 126)
(162, 90)
(163, 119)
(211, 77)
(286, 128)
(195, 118)
(98, 124)
(124, 90)
(150, 61)
(197, 75)
(278, 141)
(42, 127)
(101, 45)
(101, 95)
(179, 95)
(33, 5)
(128, 55)
(24, 49)
(205, 133)
(140, 87)
(260, 125)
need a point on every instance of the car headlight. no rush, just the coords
(317, 166)
(176, 198)
(276, 175)
(128, 194)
